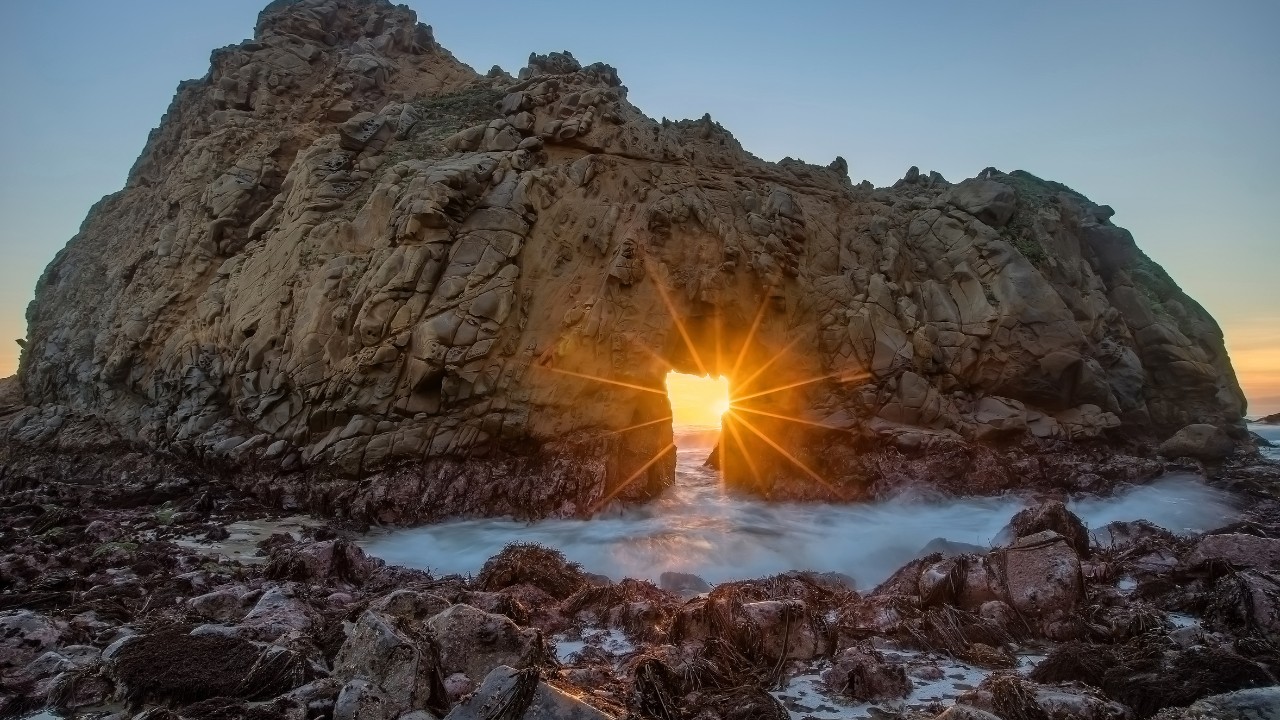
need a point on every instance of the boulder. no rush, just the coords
(222, 606)
(277, 612)
(1042, 575)
(785, 629)
(862, 674)
(405, 668)
(522, 696)
(473, 642)
(1052, 515)
(683, 584)
(1237, 550)
(1249, 704)
(991, 202)
(364, 700)
(25, 635)
(330, 561)
(1204, 442)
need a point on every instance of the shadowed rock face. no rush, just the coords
(344, 256)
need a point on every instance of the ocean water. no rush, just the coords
(697, 527)
(1272, 433)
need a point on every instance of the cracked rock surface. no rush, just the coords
(375, 283)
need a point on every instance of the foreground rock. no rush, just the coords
(352, 274)
(149, 624)
(508, 692)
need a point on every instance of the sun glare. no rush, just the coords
(697, 401)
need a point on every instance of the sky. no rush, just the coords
(1167, 110)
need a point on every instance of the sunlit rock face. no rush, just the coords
(396, 289)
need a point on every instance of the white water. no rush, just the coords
(697, 527)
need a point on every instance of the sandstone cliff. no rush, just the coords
(384, 285)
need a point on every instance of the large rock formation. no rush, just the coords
(384, 285)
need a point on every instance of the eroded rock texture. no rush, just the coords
(381, 280)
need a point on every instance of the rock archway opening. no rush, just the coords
(698, 404)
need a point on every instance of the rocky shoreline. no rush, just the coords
(113, 605)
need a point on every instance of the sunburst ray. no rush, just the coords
(675, 317)
(728, 424)
(841, 377)
(795, 460)
(637, 426)
(626, 483)
(760, 370)
(789, 418)
(751, 334)
(607, 381)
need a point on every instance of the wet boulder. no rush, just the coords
(222, 606)
(409, 604)
(1042, 575)
(81, 687)
(364, 700)
(862, 674)
(1237, 551)
(513, 694)
(685, 585)
(965, 712)
(328, 562)
(966, 581)
(637, 607)
(1251, 704)
(1207, 443)
(1052, 515)
(787, 629)
(276, 613)
(403, 665)
(474, 642)
(532, 564)
(25, 635)
(1008, 695)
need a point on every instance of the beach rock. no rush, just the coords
(862, 674)
(25, 635)
(409, 604)
(390, 668)
(354, 276)
(1009, 696)
(364, 700)
(1200, 441)
(223, 606)
(1250, 704)
(277, 613)
(785, 629)
(683, 584)
(525, 696)
(1238, 551)
(473, 642)
(1053, 515)
(1042, 575)
(328, 561)
(964, 712)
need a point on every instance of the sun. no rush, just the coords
(697, 401)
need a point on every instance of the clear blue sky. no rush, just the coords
(1165, 109)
